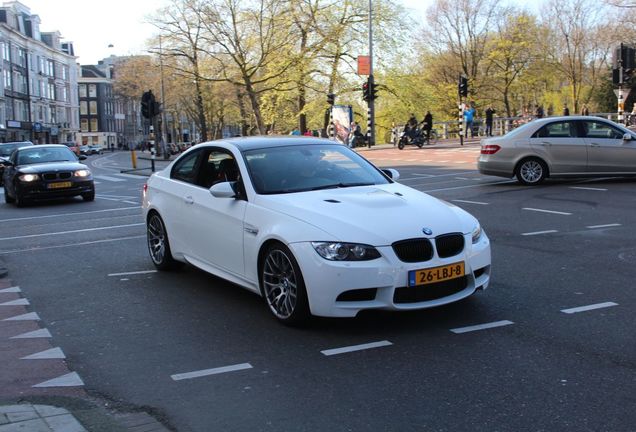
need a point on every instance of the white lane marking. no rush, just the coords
(588, 188)
(72, 231)
(131, 202)
(68, 214)
(18, 302)
(132, 273)
(53, 353)
(41, 333)
(470, 186)
(604, 226)
(132, 176)
(462, 178)
(443, 161)
(547, 211)
(589, 307)
(353, 348)
(539, 232)
(69, 380)
(15, 289)
(470, 202)
(41, 248)
(108, 178)
(31, 316)
(206, 372)
(495, 324)
(424, 175)
(97, 182)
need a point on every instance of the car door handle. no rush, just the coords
(595, 144)
(545, 143)
(188, 200)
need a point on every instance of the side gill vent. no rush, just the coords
(332, 201)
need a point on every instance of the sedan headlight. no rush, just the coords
(82, 173)
(28, 177)
(345, 251)
(476, 234)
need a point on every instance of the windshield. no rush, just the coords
(47, 154)
(6, 150)
(301, 168)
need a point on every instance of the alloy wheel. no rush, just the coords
(531, 172)
(156, 234)
(280, 284)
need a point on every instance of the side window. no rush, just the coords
(218, 166)
(562, 129)
(597, 129)
(186, 169)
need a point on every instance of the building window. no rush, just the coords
(7, 79)
(84, 125)
(92, 90)
(94, 125)
(64, 94)
(51, 91)
(65, 73)
(6, 52)
(92, 108)
(53, 115)
(83, 108)
(50, 68)
(22, 57)
(82, 90)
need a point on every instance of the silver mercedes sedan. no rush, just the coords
(576, 146)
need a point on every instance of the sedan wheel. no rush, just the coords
(158, 244)
(531, 171)
(283, 286)
(7, 198)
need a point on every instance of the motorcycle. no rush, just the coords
(417, 138)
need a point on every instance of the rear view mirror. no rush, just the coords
(223, 190)
(628, 137)
(393, 174)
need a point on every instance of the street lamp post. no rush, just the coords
(371, 103)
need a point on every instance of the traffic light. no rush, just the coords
(366, 91)
(374, 91)
(463, 86)
(156, 108)
(147, 104)
(331, 98)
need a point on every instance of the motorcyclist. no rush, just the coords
(427, 125)
(411, 126)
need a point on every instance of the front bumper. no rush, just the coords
(40, 190)
(342, 289)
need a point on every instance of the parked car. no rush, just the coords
(74, 147)
(85, 150)
(95, 149)
(5, 152)
(312, 227)
(577, 146)
(46, 171)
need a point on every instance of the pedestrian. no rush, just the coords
(489, 117)
(469, 116)
(566, 110)
(427, 124)
(295, 132)
(585, 111)
(538, 111)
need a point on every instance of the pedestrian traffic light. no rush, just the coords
(366, 91)
(463, 86)
(331, 98)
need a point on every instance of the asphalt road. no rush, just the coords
(554, 347)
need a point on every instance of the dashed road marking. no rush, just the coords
(604, 226)
(589, 307)
(41, 248)
(15, 289)
(588, 188)
(353, 348)
(470, 202)
(539, 232)
(41, 333)
(72, 231)
(207, 372)
(49, 354)
(108, 178)
(31, 316)
(17, 302)
(133, 273)
(486, 326)
(68, 214)
(547, 211)
(69, 380)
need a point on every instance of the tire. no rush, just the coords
(158, 244)
(7, 198)
(420, 144)
(19, 201)
(283, 286)
(531, 171)
(90, 196)
(402, 143)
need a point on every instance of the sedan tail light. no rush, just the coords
(489, 149)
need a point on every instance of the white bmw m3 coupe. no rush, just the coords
(313, 227)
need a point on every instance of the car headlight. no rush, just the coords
(28, 177)
(345, 251)
(82, 173)
(476, 234)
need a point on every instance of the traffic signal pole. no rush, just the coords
(371, 102)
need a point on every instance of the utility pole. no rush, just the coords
(163, 132)
(371, 102)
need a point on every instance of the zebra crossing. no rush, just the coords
(116, 177)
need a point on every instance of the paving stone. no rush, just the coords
(16, 408)
(21, 416)
(64, 423)
(3, 419)
(48, 410)
(36, 425)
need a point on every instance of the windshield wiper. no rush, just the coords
(339, 185)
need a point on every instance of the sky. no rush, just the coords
(93, 25)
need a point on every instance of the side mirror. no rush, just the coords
(628, 137)
(223, 190)
(391, 173)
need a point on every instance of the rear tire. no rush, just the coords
(158, 244)
(531, 171)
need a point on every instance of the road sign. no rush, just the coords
(364, 65)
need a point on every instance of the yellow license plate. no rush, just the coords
(436, 274)
(59, 185)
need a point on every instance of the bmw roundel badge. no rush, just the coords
(427, 231)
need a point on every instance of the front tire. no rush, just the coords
(7, 198)
(158, 244)
(531, 171)
(90, 196)
(283, 285)
(402, 143)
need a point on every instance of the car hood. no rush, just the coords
(374, 215)
(51, 166)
